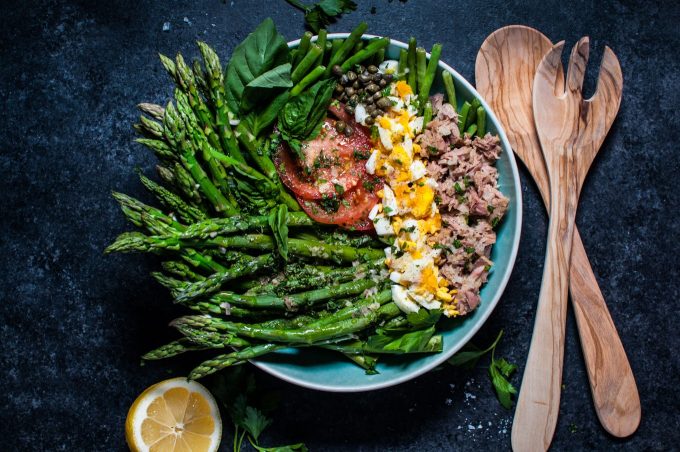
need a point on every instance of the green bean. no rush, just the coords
(450, 89)
(472, 116)
(481, 121)
(431, 71)
(321, 42)
(327, 52)
(306, 63)
(411, 61)
(403, 64)
(421, 67)
(379, 57)
(364, 54)
(302, 49)
(335, 47)
(308, 80)
(462, 118)
(471, 130)
(427, 113)
(347, 46)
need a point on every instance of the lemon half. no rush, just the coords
(174, 415)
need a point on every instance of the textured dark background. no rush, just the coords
(74, 322)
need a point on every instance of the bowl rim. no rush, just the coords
(444, 355)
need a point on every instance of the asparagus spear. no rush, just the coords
(294, 301)
(171, 349)
(238, 357)
(187, 213)
(307, 335)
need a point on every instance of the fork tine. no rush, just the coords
(578, 60)
(609, 80)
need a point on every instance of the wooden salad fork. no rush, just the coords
(571, 131)
(504, 72)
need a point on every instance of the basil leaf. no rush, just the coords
(301, 117)
(278, 222)
(421, 341)
(258, 66)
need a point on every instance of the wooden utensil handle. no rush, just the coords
(539, 399)
(612, 383)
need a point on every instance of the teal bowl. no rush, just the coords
(327, 371)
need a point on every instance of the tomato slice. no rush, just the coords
(350, 210)
(330, 167)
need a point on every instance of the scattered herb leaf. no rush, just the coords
(323, 13)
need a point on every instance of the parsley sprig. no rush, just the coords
(247, 408)
(500, 370)
(321, 14)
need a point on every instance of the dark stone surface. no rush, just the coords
(74, 322)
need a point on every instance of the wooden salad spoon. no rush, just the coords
(504, 72)
(570, 131)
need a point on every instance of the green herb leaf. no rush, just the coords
(470, 355)
(301, 117)
(499, 371)
(257, 68)
(420, 341)
(254, 422)
(278, 222)
(299, 447)
(325, 12)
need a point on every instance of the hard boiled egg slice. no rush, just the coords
(402, 300)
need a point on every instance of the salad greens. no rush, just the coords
(301, 117)
(258, 67)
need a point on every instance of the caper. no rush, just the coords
(388, 77)
(349, 109)
(351, 76)
(364, 78)
(337, 70)
(349, 91)
(339, 88)
(384, 103)
(372, 69)
(377, 112)
(369, 121)
(343, 97)
(377, 77)
(382, 83)
(340, 126)
(354, 99)
(377, 96)
(370, 108)
(356, 85)
(344, 79)
(361, 68)
(348, 131)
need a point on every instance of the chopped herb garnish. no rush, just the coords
(361, 155)
(466, 181)
(490, 208)
(494, 222)
(461, 199)
(368, 185)
(387, 209)
(409, 229)
(339, 189)
(457, 243)
(432, 150)
(469, 250)
(458, 188)
(437, 199)
(487, 268)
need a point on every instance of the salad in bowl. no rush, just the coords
(337, 203)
